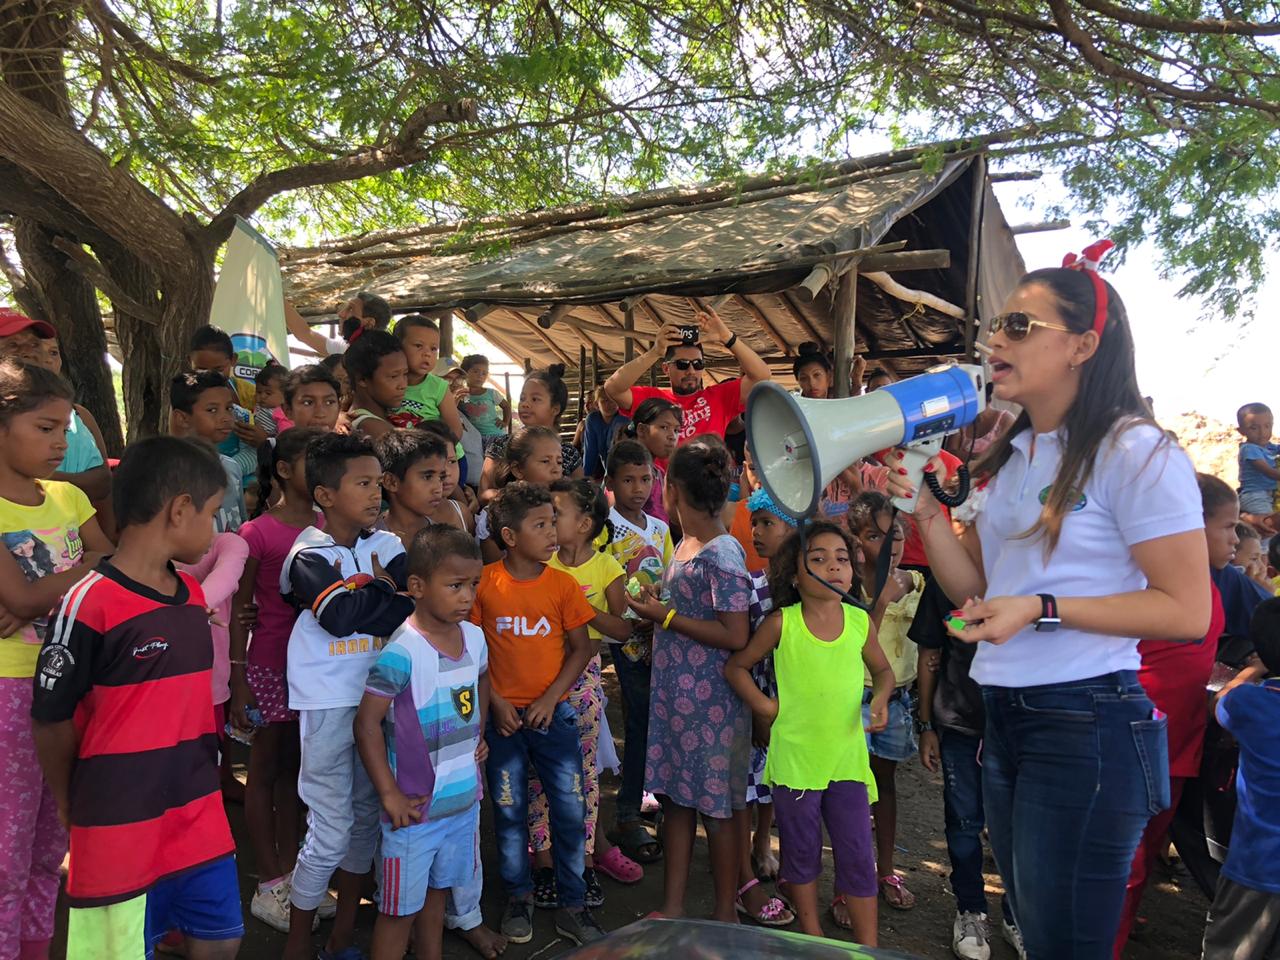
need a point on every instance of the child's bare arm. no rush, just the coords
(737, 672)
(873, 658)
(612, 624)
(56, 747)
(372, 745)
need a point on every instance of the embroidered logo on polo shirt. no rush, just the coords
(1081, 502)
(55, 661)
(151, 649)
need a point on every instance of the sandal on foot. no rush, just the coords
(636, 842)
(545, 894)
(843, 921)
(895, 893)
(774, 913)
(616, 865)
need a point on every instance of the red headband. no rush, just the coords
(1087, 263)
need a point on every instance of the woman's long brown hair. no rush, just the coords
(1108, 396)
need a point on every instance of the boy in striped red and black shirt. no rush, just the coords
(124, 723)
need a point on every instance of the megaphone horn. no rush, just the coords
(800, 445)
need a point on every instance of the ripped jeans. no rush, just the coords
(556, 756)
(1071, 773)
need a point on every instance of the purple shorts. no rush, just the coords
(271, 691)
(843, 807)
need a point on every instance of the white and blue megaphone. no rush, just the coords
(799, 446)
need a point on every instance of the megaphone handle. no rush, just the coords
(915, 457)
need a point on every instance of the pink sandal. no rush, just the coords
(895, 893)
(618, 866)
(774, 913)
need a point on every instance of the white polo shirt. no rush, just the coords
(1142, 487)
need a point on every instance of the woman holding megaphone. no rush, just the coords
(1091, 536)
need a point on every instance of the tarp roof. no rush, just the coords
(742, 245)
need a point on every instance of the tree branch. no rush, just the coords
(1152, 21)
(405, 149)
(50, 150)
(85, 263)
(1081, 40)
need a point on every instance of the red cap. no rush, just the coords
(11, 322)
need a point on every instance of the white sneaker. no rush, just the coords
(1013, 937)
(969, 937)
(272, 906)
(328, 906)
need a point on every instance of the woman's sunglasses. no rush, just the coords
(686, 364)
(1017, 325)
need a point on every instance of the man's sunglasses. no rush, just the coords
(686, 364)
(1017, 325)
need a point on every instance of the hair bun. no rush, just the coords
(809, 349)
(556, 370)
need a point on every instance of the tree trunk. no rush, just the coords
(70, 303)
(154, 353)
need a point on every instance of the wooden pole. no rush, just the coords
(446, 335)
(582, 381)
(629, 325)
(970, 320)
(595, 364)
(506, 382)
(844, 326)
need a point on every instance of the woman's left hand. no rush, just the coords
(997, 619)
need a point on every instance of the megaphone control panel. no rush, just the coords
(939, 401)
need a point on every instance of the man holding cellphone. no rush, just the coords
(706, 410)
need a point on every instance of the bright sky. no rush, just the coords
(1188, 360)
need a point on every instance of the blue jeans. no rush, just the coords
(962, 808)
(633, 678)
(1071, 772)
(556, 755)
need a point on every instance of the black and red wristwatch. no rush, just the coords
(1049, 620)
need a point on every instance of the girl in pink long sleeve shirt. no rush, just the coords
(219, 573)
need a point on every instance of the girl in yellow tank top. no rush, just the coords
(818, 767)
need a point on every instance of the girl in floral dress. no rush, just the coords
(699, 730)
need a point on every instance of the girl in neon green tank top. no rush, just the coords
(818, 766)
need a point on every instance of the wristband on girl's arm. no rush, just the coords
(666, 621)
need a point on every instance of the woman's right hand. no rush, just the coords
(898, 484)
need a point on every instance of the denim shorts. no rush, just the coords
(897, 741)
(431, 855)
(1258, 502)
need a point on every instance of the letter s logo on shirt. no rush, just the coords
(464, 701)
(521, 627)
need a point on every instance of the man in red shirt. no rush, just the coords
(708, 410)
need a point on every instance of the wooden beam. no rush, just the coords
(479, 311)
(557, 312)
(1042, 226)
(542, 335)
(970, 319)
(629, 325)
(908, 295)
(582, 381)
(446, 334)
(768, 327)
(907, 260)
(1016, 175)
(844, 324)
(798, 316)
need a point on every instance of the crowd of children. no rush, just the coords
(303, 566)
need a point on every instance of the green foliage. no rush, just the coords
(1162, 130)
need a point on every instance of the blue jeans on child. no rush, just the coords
(962, 808)
(556, 755)
(633, 679)
(1071, 772)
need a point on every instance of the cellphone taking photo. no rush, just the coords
(689, 335)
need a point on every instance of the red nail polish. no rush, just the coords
(902, 471)
(908, 496)
(928, 468)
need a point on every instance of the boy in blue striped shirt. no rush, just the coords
(431, 685)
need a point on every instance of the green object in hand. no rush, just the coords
(956, 623)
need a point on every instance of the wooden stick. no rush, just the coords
(1015, 175)
(844, 324)
(907, 260)
(1043, 226)
(895, 289)
(976, 214)
(558, 312)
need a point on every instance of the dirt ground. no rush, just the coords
(1172, 915)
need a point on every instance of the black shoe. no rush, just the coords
(594, 898)
(578, 925)
(545, 894)
(517, 921)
